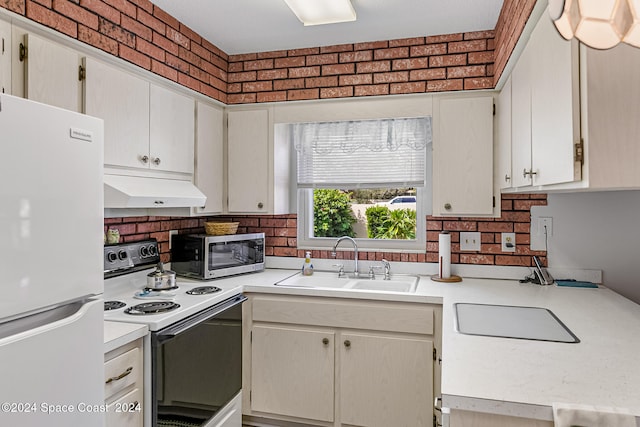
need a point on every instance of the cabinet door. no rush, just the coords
(385, 381)
(171, 133)
(292, 372)
(521, 119)
(5, 57)
(122, 101)
(52, 74)
(209, 168)
(503, 120)
(248, 161)
(463, 157)
(554, 106)
(126, 411)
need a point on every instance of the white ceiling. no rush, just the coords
(247, 26)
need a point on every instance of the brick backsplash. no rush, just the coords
(513, 17)
(280, 232)
(461, 61)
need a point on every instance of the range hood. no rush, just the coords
(121, 191)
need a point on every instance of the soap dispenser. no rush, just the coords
(307, 267)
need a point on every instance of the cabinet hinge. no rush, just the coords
(494, 109)
(435, 354)
(23, 52)
(578, 153)
(82, 73)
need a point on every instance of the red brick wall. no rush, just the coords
(451, 62)
(511, 22)
(138, 32)
(281, 232)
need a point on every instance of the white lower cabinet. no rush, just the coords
(329, 362)
(123, 388)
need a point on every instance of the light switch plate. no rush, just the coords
(470, 240)
(508, 242)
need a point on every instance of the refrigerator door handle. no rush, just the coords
(40, 323)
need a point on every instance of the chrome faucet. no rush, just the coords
(355, 252)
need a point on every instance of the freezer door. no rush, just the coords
(51, 209)
(53, 374)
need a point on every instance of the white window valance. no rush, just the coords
(362, 154)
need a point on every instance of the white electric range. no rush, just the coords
(196, 325)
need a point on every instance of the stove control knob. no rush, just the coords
(122, 255)
(111, 257)
(153, 250)
(144, 251)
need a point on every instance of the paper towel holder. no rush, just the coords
(444, 260)
(451, 279)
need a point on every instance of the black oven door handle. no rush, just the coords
(184, 325)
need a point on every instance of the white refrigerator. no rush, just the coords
(51, 267)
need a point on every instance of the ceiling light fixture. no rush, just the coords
(600, 24)
(318, 12)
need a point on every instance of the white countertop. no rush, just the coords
(513, 376)
(522, 377)
(117, 334)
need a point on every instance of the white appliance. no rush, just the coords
(194, 361)
(51, 232)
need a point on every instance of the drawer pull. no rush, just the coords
(121, 376)
(347, 343)
(325, 341)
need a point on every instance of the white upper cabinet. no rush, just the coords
(147, 127)
(463, 156)
(122, 101)
(503, 136)
(574, 116)
(51, 73)
(171, 131)
(248, 160)
(5, 57)
(209, 168)
(545, 110)
(610, 112)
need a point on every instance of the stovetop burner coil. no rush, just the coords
(203, 290)
(113, 305)
(152, 307)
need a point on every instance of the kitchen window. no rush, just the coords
(370, 179)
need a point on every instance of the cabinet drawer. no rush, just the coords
(372, 315)
(122, 371)
(126, 411)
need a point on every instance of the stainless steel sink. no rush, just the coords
(324, 279)
(508, 321)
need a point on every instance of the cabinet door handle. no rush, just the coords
(325, 341)
(447, 206)
(156, 161)
(347, 343)
(260, 205)
(144, 159)
(507, 177)
(121, 376)
(530, 173)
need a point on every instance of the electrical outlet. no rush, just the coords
(545, 226)
(539, 241)
(508, 242)
(470, 241)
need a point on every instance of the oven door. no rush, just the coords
(197, 365)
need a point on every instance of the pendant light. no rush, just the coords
(600, 24)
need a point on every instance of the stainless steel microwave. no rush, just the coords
(205, 257)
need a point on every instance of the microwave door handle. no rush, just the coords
(171, 332)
